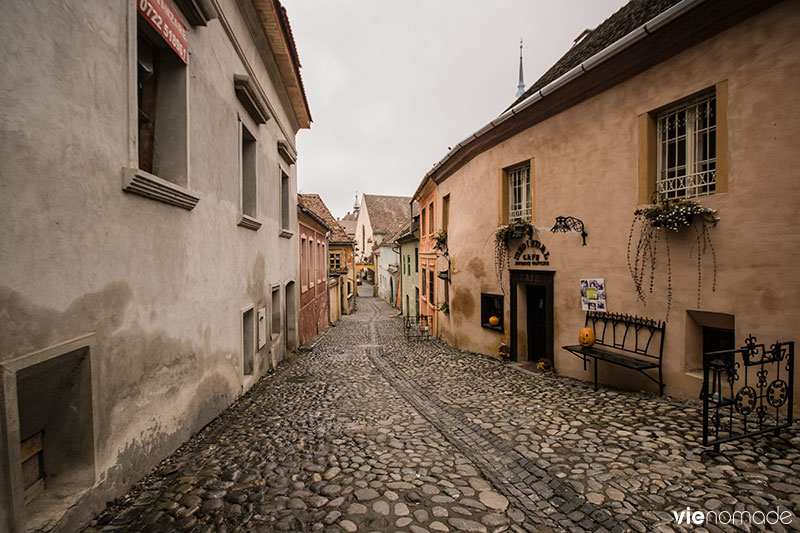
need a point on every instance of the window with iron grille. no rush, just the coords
(519, 189)
(687, 142)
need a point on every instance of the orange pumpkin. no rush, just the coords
(586, 337)
(494, 321)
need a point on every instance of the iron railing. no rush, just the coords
(747, 392)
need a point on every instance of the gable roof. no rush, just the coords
(386, 213)
(314, 203)
(349, 226)
(619, 50)
(392, 239)
(625, 20)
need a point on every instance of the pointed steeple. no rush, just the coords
(521, 86)
(356, 206)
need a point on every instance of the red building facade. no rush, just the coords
(313, 317)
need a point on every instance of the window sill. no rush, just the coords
(286, 234)
(496, 328)
(248, 222)
(137, 181)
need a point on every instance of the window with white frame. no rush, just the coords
(519, 189)
(687, 142)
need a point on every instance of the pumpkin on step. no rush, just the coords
(586, 337)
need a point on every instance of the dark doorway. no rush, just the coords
(533, 326)
(536, 297)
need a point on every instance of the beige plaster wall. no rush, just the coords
(585, 164)
(161, 287)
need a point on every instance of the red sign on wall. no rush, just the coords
(166, 22)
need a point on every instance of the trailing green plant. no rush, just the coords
(440, 240)
(674, 216)
(444, 307)
(502, 240)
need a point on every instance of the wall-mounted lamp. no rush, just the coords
(567, 224)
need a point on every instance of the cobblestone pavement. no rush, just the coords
(366, 432)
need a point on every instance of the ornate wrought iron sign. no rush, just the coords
(747, 392)
(531, 252)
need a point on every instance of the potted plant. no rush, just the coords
(544, 365)
(503, 236)
(504, 352)
(444, 307)
(440, 240)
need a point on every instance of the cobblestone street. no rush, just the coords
(365, 432)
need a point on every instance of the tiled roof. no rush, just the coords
(386, 213)
(625, 20)
(314, 203)
(289, 36)
(348, 217)
(399, 233)
(349, 226)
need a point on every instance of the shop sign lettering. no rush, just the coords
(531, 252)
(166, 22)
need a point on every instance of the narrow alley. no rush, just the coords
(366, 432)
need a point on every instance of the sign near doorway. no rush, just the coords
(531, 252)
(593, 294)
(166, 22)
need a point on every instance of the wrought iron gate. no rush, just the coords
(747, 392)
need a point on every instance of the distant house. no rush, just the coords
(670, 100)
(378, 217)
(408, 239)
(313, 231)
(341, 259)
(388, 268)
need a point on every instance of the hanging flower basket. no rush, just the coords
(518, 229)
(675, 216)
(440, 240)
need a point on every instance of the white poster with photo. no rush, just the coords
(593, 294)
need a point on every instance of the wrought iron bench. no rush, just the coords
(628, 341)
(417, 327)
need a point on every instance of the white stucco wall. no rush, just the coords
(161, 288)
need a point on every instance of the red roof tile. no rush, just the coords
(314, 203)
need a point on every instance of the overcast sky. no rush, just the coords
(393, 83)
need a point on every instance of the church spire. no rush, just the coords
(521, 86)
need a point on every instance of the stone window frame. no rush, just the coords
(177, 190)
(504, 191)
(13, 500)
(489, 300)
(303, 262)
(253, 340)
(284, 190)
(649, 142)
(248, 175)
(276, 312)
